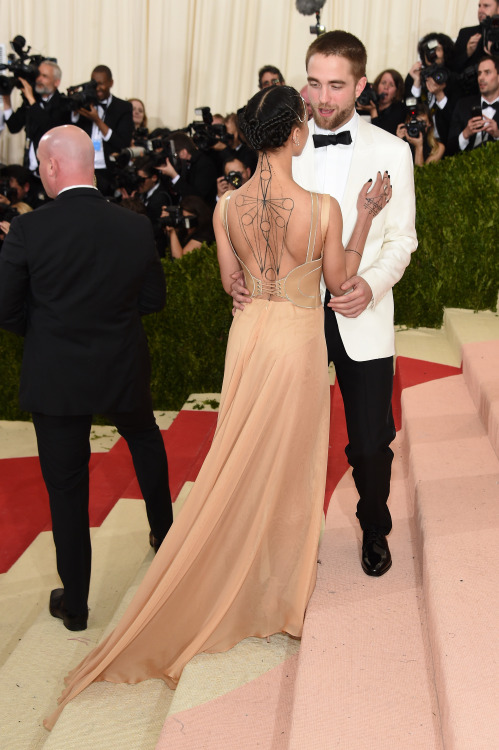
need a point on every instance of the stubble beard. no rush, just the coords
(334, 121)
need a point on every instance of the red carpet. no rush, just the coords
(24, 510)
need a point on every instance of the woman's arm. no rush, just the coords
(340, 264)
(226, 259)
(437, 154)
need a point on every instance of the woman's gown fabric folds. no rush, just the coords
(240, 559)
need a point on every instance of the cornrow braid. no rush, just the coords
(269, 117)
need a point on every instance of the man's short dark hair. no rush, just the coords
(231, 155)
(494, 59)
(147, 165)
(182, 140)
(103, 69)
(269, 69)
(340, 44)
(19, 173)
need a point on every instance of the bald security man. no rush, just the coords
(75, 278)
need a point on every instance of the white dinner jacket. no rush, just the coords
(391, 240)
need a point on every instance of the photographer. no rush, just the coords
(476, 118)
(236, 173)
(153, 196)
(188, 225)
(41, 110)
(195, 174)
(19, 187)
(418, 131)
(471, 42)
(432, 80)
(386, 108)
(109, 123)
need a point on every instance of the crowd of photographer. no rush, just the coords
(447, 103)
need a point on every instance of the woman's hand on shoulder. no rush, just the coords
(373, 197)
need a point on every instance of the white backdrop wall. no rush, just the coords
(179, 54)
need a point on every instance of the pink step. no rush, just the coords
(365, 675)
(256, 715)
(454, 479)
(481, 373)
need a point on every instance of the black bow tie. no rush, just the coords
(494, 105)
(331, 140)
(103, 104)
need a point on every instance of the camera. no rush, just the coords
(81, 96)
(205, 134)
(234, 178)
(21, 65)
(369, 95)
(177, 220)
(9, 192)
(439, 74)
(7, 213)
(431, 69)
(414, 127)
(490, 26)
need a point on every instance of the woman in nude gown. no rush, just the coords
(240, 559)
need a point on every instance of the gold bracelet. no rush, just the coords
(349, 250)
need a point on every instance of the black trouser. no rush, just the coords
(64, 451)
(366, 388)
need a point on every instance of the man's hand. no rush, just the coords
(4, 228)
(354, 303)
(491, 127)
(239, 292)
(167, 169)
(472, 44)
(436, 88)
(474, 125)
(27, 91)
(222, 186)
(90, 114)
(415, 73)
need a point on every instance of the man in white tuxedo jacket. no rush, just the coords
(359, 325)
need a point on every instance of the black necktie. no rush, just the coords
(332, 140)
(494, 105)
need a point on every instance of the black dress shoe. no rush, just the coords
(376, 557)
(155, 543)
(57, 609)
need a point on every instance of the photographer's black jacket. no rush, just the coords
(198, 177)
(461, 59)
(39, 117)
(118, 117)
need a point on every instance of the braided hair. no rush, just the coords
(269, 117)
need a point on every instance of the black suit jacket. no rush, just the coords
(75, 277)
(38, 118)
(118, 117)
(461, 59)
(460, 117)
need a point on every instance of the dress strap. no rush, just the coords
(313, 226)
(326, 202)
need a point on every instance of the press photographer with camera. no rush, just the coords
(433, 81)
(188, 225)
(236, 173)
(108, 122)
(418, 131)
(195, 172)
(476, 118)
(16, 185)
(473, 42)
(383, 101)
(42, 108)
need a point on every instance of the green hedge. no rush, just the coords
(457, 260)
(456, 265)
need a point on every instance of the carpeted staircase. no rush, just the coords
(405, 661)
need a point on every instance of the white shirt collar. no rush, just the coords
(72, 187)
